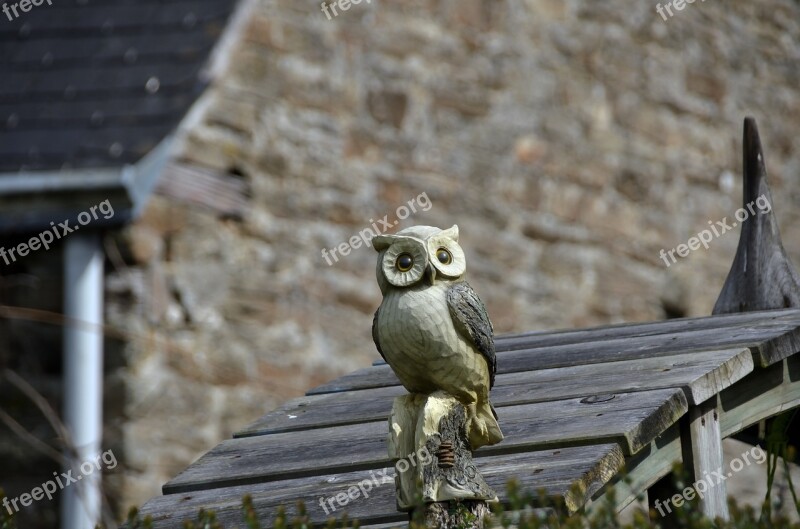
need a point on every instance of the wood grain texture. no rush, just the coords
(631, 419)
(761, 276)
(434, 427)
(643, 471)
(701, 444)
(770, 341)
(572, 474)
(540, 395)
(538, 339)
(759, 396)
(700, 376)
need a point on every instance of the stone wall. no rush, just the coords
(570, 140)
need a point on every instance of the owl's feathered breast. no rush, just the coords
(415, 332)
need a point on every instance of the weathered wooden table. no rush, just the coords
(577, 408)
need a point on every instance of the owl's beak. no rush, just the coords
(430, 273)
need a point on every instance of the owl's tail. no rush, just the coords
(484, 429)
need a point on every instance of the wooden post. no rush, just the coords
(701, 450)
(701, 445)
(445, 486)
(761, 277)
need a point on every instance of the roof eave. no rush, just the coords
(32, 201)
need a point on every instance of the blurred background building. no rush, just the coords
(570, 140)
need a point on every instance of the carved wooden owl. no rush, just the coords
(431, 328)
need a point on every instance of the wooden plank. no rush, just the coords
(643, 471)
(761, 395)
(631, 419)
(623, 330)
(572, 474)
(536, 339)
(770, 343)
(772, 325)
(700, 376)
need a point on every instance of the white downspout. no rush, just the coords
(83, 375)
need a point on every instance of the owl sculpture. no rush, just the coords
(432, 328)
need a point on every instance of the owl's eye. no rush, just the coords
(444, 256)
(404, 262)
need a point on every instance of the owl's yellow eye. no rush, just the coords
(444, 256)
(404, 262)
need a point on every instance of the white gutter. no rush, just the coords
(59, 181)
(83, 376)
(82, 505)
(138, 179)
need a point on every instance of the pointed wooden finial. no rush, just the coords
(761, 277)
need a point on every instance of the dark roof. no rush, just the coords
(99, 83)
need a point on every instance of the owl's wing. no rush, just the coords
(471, 321)
(375, 333)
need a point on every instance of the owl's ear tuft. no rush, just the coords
(452, 232)
(381, 242)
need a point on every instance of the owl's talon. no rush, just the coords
(477, 431)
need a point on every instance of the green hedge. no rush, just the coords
(518, 514)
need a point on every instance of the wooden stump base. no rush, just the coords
(434, 428)
(456, 514)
